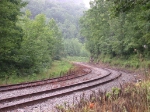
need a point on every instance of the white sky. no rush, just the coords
(87, 3)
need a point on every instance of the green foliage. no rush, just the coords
(28, 46)
(66, 14)
(10, 36)
(29, 43)
(55, 70)
(59, 67)
(84, 52)
(73, 47)
(41, 44)
(120, 30)
(128, 5)
(57, 40)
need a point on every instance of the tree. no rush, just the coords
(95, 27)
(72, 47)
(57, 40)
(66, 14)
(41, 44)
(117, 28)
(10, 35)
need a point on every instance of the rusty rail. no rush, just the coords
(56, 95)
(70, 75)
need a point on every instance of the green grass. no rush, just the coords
(57, 68)
(77, 59)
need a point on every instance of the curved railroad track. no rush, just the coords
(71, 74)
(20, 96)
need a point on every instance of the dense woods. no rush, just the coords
(33, 33)
(66, 14)
(117, 29)
(11, 36)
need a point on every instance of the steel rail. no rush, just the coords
(57, 95)
(51, 90)
(41, 82)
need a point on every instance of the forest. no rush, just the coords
(118, 30)
(35, 33)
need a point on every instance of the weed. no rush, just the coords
(130, 98)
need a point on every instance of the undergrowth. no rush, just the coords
(130, 98)
(132, 62)
(58, 68)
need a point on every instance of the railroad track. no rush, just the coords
(21, 101)
(82, 71)
(29, 99)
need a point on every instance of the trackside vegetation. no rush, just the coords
(34, 34)
(118, 29)
(59, 67)
(130, 98)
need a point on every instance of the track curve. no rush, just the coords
(96, 78)
(70, 75)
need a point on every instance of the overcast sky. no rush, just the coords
(87, 3)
